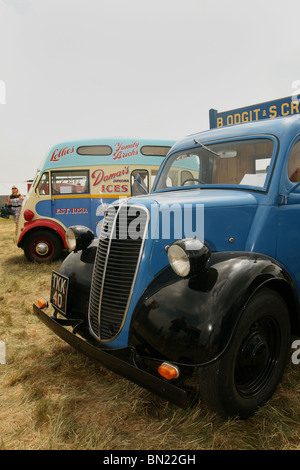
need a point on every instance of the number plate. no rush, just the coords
(59, 291)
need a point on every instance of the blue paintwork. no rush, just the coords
(256, 220)
(253, 234)
(61, 209)
(259, 220)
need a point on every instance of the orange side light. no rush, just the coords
(168, 371)
(42, 303)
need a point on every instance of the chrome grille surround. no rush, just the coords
(115, 270)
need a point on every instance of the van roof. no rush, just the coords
(115, 150)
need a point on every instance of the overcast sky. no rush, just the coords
(76, 69)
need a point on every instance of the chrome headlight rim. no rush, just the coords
(188, 256)
(70, 239)
(78, 237)
(179, 260)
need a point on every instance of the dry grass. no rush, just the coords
(52, 397)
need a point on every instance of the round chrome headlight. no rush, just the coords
(70, 239)
(188, 256)
(78, 237)
(179, 260)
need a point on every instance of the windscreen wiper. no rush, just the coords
(206, 148)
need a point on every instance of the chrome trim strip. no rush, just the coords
(94, 269)
(105, 267)
(122, 205)
(135, 274)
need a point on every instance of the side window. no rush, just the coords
(139, 182)
(43, 185)
(70, 182)
(294, 164)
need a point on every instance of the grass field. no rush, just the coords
(52, 397)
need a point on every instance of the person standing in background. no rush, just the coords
(14, 201)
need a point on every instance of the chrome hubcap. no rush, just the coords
(42, 248)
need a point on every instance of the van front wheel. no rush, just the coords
(42, 246)
(247, 374)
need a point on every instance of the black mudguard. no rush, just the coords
(191, 321)
(78, 267)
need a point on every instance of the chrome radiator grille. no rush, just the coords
(116, 264)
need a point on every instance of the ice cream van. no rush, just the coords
(75, 185)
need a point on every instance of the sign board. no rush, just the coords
(268, 110)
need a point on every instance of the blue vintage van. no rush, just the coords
(207, 310)
(76, 183)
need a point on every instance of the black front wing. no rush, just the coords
(105, 357)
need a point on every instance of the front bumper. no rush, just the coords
(154, 384)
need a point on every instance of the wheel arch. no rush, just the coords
(206, 310)
(246, 375)
(288, 293)
(52, 227)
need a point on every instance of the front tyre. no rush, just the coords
(42, 246)
(248, 373)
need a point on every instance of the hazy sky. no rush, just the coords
(139, 68)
